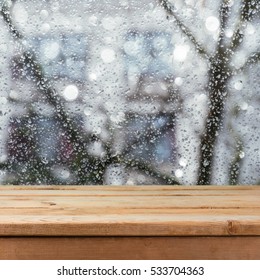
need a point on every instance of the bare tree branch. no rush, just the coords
(42, 82)
(168, 7)
(219, 75)
(85, 163)
(249, 9)
(237, 38)
(217, 86)
(224, 13)
(75, 136)
(235, 165)
(7, 18)
(251, 60)
(44, 85)
(149, 170)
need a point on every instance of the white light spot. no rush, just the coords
(61, 172)
(238, 85)
(96, 149)
(241, 154)
(163, 86)
(109, 23)
(3, 158)
(183, 162)
(97, 130)
(64, 174)
(3, 100)
(51, 50)
(250, 29)
(244, 106)
(13, 94)
(178, 81)
(44, 14)
(130, 182)
(55, 6)
(212, 24)
(108, 55)
(71, 93)
(45, 28)
(180, 52)
(178, 173)
(229, 33)
(133, 47)
(202, 97)
(92, 76)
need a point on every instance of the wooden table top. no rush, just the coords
(130, 211)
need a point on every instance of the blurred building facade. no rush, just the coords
(119, 67)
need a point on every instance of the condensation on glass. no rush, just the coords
(129, 92)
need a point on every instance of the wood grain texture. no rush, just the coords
(134, 248)
(129, 222)
(130, 211)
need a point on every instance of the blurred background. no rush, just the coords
(118, 92)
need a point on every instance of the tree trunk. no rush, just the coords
(217, 87)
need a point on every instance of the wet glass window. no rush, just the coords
(129, 92)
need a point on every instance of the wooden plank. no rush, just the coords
(150, 213)
(131, 210)
(128, 190)
(146, 222)
(141, 227)
(91, 193)
(134, 248)
(243, 201)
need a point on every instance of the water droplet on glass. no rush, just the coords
(109, 23)
(44, 14)
(93, 20)
(241, 154)
(88, 110)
